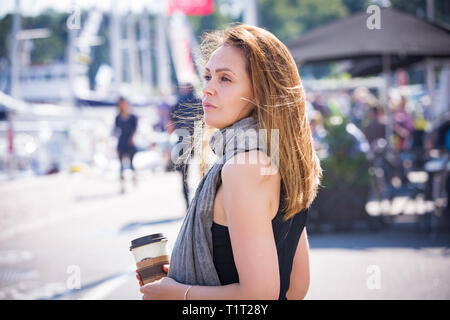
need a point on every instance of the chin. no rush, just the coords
(210, 121)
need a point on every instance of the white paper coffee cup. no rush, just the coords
(150, 254)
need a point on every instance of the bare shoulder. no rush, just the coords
(258, 182)
(252, 167)
(250, 196)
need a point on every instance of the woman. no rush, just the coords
(243, 236)
(125, 126)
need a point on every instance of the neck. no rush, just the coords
(221, 138)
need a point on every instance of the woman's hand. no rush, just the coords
(165, 288)
(166, 268)
(138, 276)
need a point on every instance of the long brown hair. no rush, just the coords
(279, 101)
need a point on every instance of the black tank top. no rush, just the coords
(286, 234)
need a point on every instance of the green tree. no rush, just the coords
(214, 21)
(290, 18)
(354, 6)
(285, 18)
(442, 11)
(52, 48)
(280, 18)
(5, 27)
(417, 7)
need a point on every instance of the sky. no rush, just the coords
(34, 7)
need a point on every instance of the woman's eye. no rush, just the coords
(208, 77)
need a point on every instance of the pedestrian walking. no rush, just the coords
(125, 126)
(244, 234)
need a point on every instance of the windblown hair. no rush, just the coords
(279, 101)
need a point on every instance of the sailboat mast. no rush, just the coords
(15, 52)
(116, 47)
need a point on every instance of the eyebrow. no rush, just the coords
(221, 69)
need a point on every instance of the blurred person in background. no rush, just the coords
(183, 116)
(359, 108)
(418, 139)
(443, 145)
(375, 128)
(403, 126)
(443, 135)
(318, 132)
(164, 107)
(164, 124)
(319, 102)
(375, 131)
(125, 126)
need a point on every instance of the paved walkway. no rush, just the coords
(57, 230)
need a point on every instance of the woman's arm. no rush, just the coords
(299, 281)
(249, 203)
(169, 289)
(249, 200)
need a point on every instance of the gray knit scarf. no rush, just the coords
(192, 256)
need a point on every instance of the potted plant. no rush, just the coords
(345, 187)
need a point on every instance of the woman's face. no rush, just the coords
(124, 108)
(226, 88)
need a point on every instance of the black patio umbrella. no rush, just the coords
(361, 67)
(403, 37)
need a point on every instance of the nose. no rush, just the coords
(208, 89)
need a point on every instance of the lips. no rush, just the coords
(208, 105)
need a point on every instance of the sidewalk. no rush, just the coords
(49, 224)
